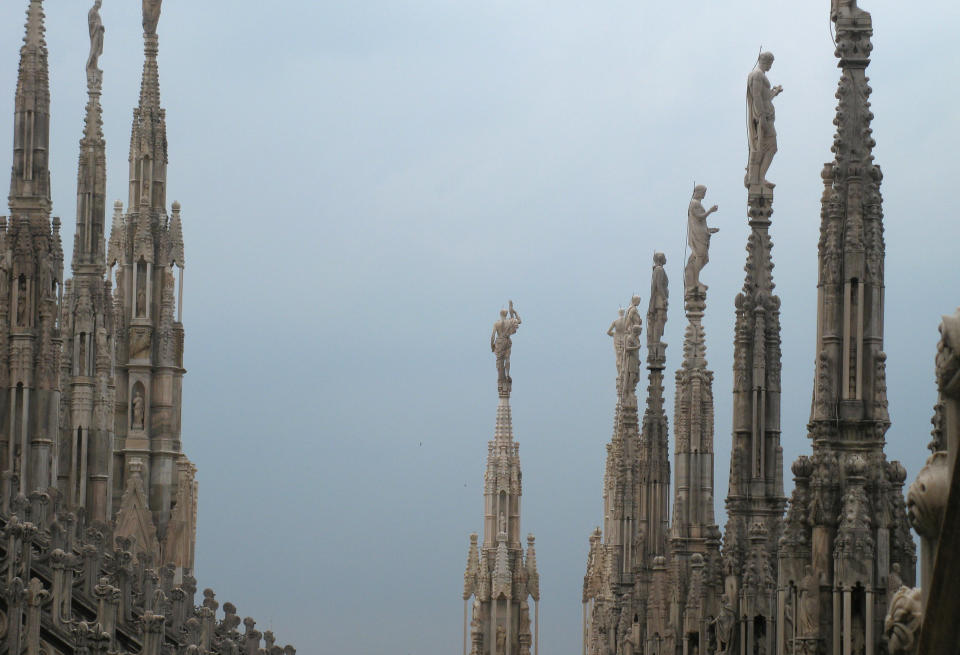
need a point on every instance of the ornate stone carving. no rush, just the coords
(657, 309)
(927, 496)
(902, 624)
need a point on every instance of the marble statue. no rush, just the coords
(151, 15)
(633, 313)
(808, 617)
(657, 309)
(22, 302)
(698, 238)
(618, 330)
(725, 624)
(631, 355)
(762, 136)
(501, 640)
(96, 43)
(500, 342)
(137, 410)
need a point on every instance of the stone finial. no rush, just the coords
(802, 467)
(927, 496)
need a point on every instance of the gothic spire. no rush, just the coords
(30, 177)
(148, 139)
(88, 244)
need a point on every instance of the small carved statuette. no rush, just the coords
(618, 330)
(137, 410)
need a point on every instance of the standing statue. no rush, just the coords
(725, 623)
(698, 237)
(22, 302)
(137, 410)
(808, 619)
(96, 44)
(151, 15)
(501, 640)
(657, 309)
(631, 355)
(500, 342)
(762, 136)
(633, 314)
(618, 330)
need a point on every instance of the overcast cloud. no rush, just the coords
(366, 183)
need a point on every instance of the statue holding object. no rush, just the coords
(762, 135)
(500, 344)
(698, 238)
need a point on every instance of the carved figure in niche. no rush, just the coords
(102, 342)
(788, 635)
(151, 15)
(4, 274)
(96, 43)
(762, 135)
(698, 238)
(137, 410)
(618, 330)
(82, 363)
(46, 277)
(808, 619)
(501, 640)
(725, 623)
(141, 302)
(22, 302)
(503, 523)
(657, 309)
(894, 581)
(500, 342)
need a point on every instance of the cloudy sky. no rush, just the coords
(366, 183)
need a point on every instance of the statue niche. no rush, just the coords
(137, 408)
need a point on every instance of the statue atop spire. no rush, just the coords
(151, 15)
(501, 344)
(762, 135)
(94, 74)
(657, 309)
(698, 237)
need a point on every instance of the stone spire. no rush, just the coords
(30, 178)
(606, 585)
(654, 498)
(618, 587)
(31, 271)
(85, 452)
(852, 550)
(755, 500)
(497, 576)
(147, 248)
(694, 531)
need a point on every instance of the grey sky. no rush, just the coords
(366, 183)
